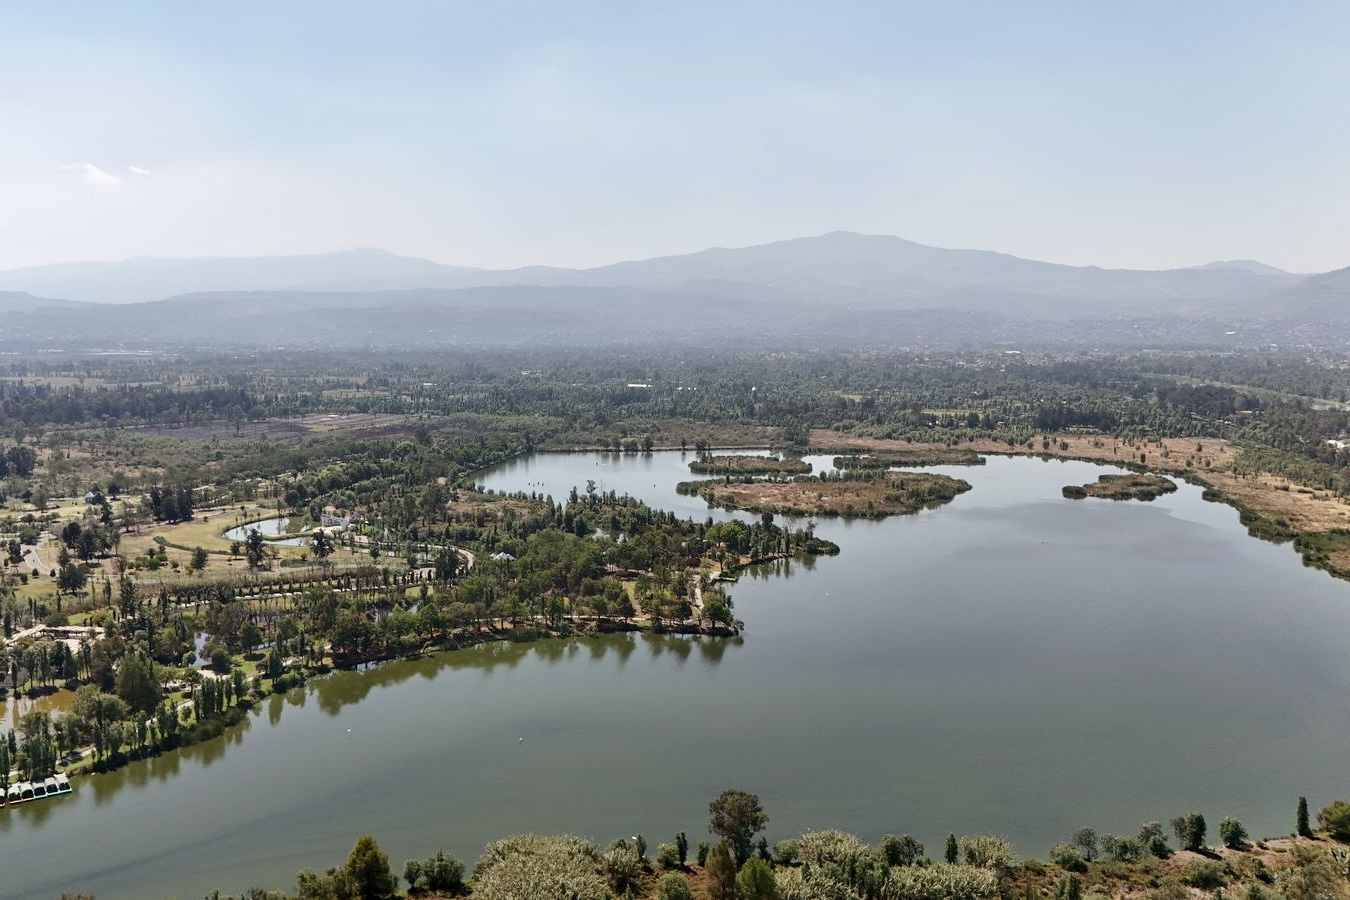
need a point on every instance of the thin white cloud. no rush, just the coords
(137, 170)
(93, 174)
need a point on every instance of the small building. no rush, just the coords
(503, 556)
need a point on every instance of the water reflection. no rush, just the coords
(341, 689)
(162, 767)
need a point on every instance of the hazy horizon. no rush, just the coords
(1152, 136)
(603, 263)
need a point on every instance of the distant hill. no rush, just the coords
(838, 288)
(145, 279)
(872, 270)
(1245, 265)
(1319, 297)
(879, 270)
(23, 302)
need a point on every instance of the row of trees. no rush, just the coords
(1086, 845)
(818, 865)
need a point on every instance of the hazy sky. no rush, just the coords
(1140, 134)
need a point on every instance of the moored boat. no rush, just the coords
(23, 791)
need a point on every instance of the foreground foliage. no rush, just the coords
(836, 865)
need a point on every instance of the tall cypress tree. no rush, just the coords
(1303, 829)
(951, 849)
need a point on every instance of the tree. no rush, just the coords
(951, 851)
(987, 851)
(136, 683)
(1190, 831)
(446, 565)
(71, 578)
(441, 873)
(1335, 819)
(368, 867)
(1195, 831)
(220, 658)
(682, 846)
(736, 817)
(901, 851)
(668, 855)
(127, 598)
(621, 864)
(1152, 839)
(255, 548)
(321, 544)
(250, 635)
(335, 884)
(1231, 832)
(1067, 857)
(199, 559)
(1069, 887)
(755, 881)
(1085, 839)
(721, 870)
(1121, 849)
(1304, 830)
(275, 665)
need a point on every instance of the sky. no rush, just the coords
(1122, 134)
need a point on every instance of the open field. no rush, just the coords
(286, 431)
(1167, 453)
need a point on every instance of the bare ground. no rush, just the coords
(1210, 459)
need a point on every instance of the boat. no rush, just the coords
(23, 791)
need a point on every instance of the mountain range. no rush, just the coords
(835, 288)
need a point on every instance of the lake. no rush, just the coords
(1013, 662)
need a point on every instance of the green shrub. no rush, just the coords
(668, 855)
(1335, 819)
(787, 853)
(1206, 875)
(1067, 857)
(673, 887)
(1231, 832)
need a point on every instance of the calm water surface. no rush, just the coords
(1012, 662)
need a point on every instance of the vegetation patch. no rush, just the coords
(917, 456)
(748, 465)
(1123, 487)
(867, 495)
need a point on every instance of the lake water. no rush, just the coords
(1012, 662)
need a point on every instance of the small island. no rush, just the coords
(748, 465)
(870, 495)
(918, 456)
(1122, 487)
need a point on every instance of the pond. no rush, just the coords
(1012, 662)
(273, 529)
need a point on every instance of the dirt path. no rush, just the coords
(32, 559)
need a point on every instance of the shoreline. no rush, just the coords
(1271, 508)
